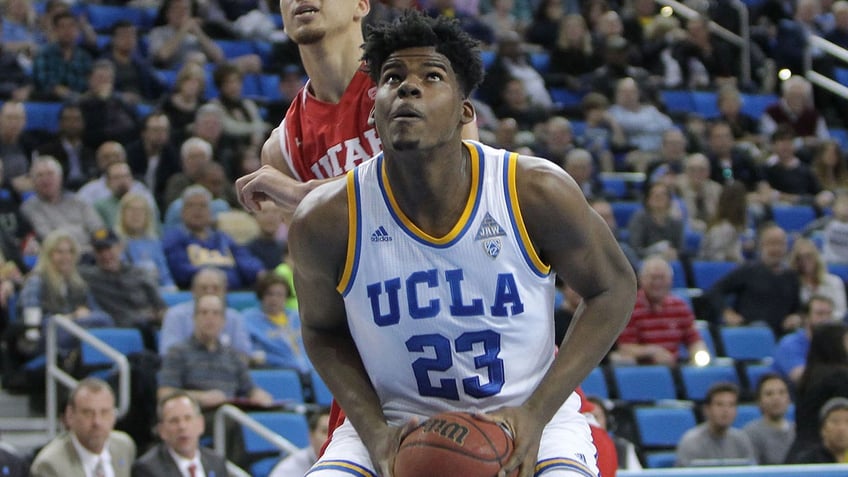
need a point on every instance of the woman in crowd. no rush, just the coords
(138, 227)
(815, 280)
(186, 98)
(829, 167)
(653, 229)
(242, 121)
(723, 239)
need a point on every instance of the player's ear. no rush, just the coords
(468, 112)
(362, 8)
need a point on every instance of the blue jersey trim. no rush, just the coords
(563, 463)
(522, 239)
(344, 466)
(352, 263)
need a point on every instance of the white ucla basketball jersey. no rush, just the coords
(460, 322)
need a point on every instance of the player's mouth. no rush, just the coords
(406, 113)
(305, 11)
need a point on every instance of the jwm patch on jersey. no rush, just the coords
(463, 321)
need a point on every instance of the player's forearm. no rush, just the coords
(596, 324)
(337, 360)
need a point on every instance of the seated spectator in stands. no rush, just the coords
(194, 154)
(653, 229)
(625, 450)
(55, 287)
(21, 34)
(77, 159)
(15, 146)
(796, 110)
(604, 209)
(107, 115)
(716, 441)
(185, 99)
(573, 55)
(122, 290)
(839, 33)
(825, 377)
(723, 239)
(91, 446)
(772, 434)
(152, 158)
(833, 419)
(764, 291)
(515, 103)
(669, 161)
(499, 16)
(602, 133)
(179, 38)
(704, 59)
(546, 24)
(17, 238)
(790, 355)
(829, 166)
(62, 67)
(210, 371)
(209, 125)
(299, 462)
(180, 426)
(699, 193)
(274, 328)
(554, 140)
(242, 122)
(661, 322)
(835, 234)
(137, 226)
(15, 81)
(52, 207)
(742, 126)
(135, 78)
(643, 124)
(97, 189)
(814, 277)
(792, 181)
(178, 325)
(469, 21)
(196, 244)
(119, 181)
(616, 67)
(513, 62)
(211, 176)
(729, 163)
(578, 164)
(791, 38)
(268, 247)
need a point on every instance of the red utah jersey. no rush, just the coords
(322, 140)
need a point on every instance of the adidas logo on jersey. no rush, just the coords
(380, 235)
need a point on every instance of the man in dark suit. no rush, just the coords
(67, 147)
(180, 455)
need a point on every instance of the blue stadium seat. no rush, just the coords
(747, 343)
(168, 77)
(841, 75)
(623, 210)
(753, 373)
(270, 86)
(678, 279)
(838, 269)
(251, 87)
(692, 242)
(698, 379)
(660, 459)
(676, 101)
(705, 103)
(746, 413)
(282, 384)
(578, 128)
(566, 98)
(840, 135)
(488, 57)
(754, 105)
(102, 17)
(793, 218)
(706, 273)
(242, 300)
(125, 340)
(320, 391)
(235, 48)
(595, 384)
(289, 426)
(541, 61)
(614, 187)
(662, 427)
(643, 383)
(42, 116)
(176, 297)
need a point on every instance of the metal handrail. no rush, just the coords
(236, 414)
(817, 78)
(55, 373)
(742, 40)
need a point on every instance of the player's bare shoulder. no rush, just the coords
(538, 179)
(321, 219)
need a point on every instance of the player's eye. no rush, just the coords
(391, 78)
(434, 76)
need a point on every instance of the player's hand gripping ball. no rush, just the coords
(454, 444)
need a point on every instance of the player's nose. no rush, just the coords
(409, 87)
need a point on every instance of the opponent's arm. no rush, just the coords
(578, 244)
(318, 238)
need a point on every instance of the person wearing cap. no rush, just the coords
(833, 419)
(125, 291)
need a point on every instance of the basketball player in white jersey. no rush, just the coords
(427, 275)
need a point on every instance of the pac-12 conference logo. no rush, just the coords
(489, 232)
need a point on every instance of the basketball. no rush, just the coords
(454, 444)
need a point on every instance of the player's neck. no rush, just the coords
(331, 65)
(431, 187)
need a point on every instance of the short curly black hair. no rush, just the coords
(414, 29)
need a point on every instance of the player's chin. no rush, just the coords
(406, 144)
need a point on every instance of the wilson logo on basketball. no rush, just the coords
(449, 430)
